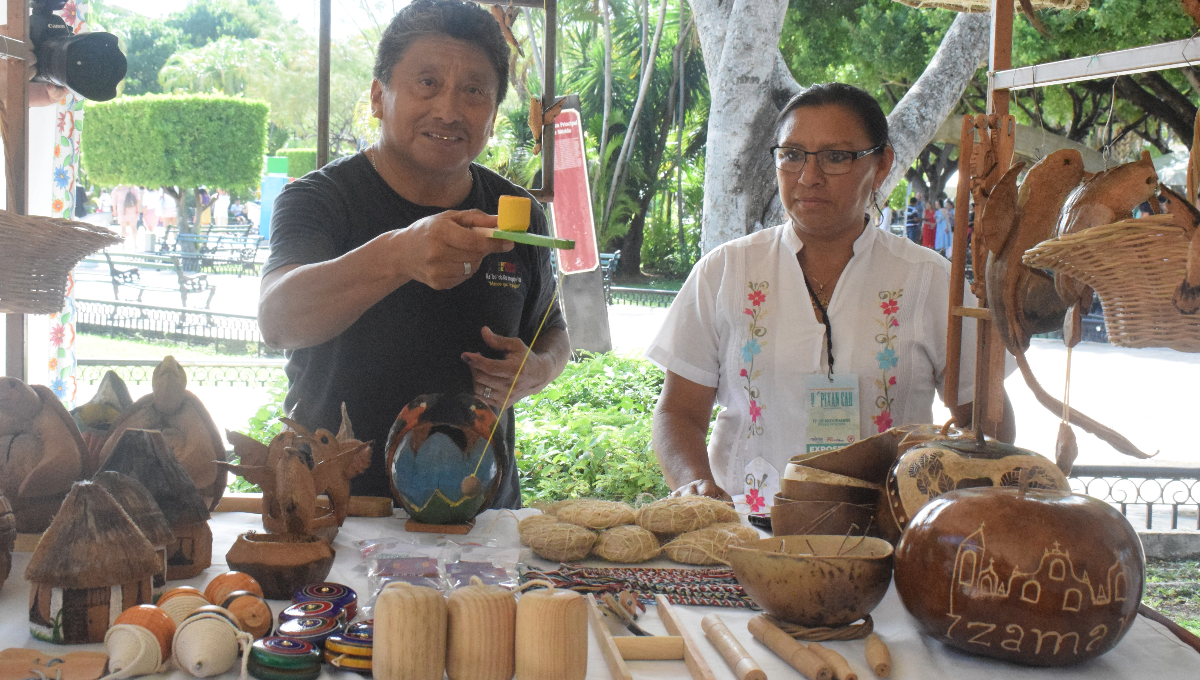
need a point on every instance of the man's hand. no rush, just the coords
(494, 377)
(701, 487)
(442, 251)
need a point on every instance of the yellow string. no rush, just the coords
(517, 376)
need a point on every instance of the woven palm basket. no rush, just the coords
(1135, 267)
(36, 253)
(986, 5)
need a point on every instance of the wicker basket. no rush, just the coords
(1135, 267)
(36, 253)
(986, 5)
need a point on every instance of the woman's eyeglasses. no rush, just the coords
(831, 161)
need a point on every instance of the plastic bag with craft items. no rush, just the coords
(409, 559)
(492, 564)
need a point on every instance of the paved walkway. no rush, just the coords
(1141, 393)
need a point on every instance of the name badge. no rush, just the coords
(832, 411)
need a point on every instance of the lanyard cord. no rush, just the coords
(824, 320)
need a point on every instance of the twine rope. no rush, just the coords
(854, 631)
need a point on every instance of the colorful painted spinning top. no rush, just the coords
(283, 658)
(313, 629)
(353, 648)
(442, 468)
(336, 593)
(312, 608)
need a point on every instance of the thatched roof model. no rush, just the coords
(146, 456)
(137, 502)
(92, 543)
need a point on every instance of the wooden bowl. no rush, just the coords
(815, 580)
(281, 563)
(794, 518)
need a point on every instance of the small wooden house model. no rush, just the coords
(8, 534)
(137, 502)
(146, 456)
(91, 564)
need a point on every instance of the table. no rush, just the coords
(1149, 650)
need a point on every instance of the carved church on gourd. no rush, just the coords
(1053, 581)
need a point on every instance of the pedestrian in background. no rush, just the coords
(929, 225)
(941, 239)
(912, 219)
(221, 208)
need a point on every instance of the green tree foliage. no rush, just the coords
(205, 21)
(300, 161)
(176, 141)
(147, 44)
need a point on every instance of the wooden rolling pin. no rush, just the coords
(878, 656)
(739, 660)
(794, 653)
(841, 667)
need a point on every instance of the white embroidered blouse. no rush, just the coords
(743, 323)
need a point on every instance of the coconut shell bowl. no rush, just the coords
(815, 581)
(281, 563)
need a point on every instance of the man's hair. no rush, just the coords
(465, 21)
(857, 100)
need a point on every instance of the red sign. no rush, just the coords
(572, 206)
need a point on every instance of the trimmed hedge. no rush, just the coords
(300, 161)
(176, 140)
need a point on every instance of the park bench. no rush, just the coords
(233, 247)
(125, 270)
(608, 267)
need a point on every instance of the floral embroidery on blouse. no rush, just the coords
(753, 346)
(886, 357)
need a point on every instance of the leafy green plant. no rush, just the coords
(588, 433)
(263, 426)
(300, 161)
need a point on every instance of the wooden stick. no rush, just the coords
(794, 653)
(878, 656)
(841, 667)
(696, 664)
(739, 660)
(656, 648)
(608, 647)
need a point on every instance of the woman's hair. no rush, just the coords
(465, 21)
(857, 100)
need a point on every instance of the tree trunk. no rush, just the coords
(750, 85)
(627, 143)
(597, 186)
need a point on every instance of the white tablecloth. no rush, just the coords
(1148, 651)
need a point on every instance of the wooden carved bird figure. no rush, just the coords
(41, 452)
(186, 425)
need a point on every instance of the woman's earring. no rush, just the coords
(875, 201)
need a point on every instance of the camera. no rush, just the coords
(90, 64)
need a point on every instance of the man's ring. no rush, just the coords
(487, 393)
(466, 268)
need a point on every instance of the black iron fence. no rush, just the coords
(176, 323)
(647, 297)
(1159, 493)
(216, 373)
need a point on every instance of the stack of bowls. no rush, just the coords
(282, 658)
(352, 649)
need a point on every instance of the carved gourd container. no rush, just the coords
(1043, 578)
(933, 467)
(444, 457)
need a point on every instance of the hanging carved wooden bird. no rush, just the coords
(539, 117)
(1186, 217)
(507, 18)
(442, 467)
(186, 425)
(41, 452)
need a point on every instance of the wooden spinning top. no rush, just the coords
(252, 611)
(222, 585)
(410, 639)
(551, 636)
(154, 619)
(482, 633)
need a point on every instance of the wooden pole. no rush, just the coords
(1001, 57)
(549, 64)
(16, 156)
(323, 84)
(958, 263)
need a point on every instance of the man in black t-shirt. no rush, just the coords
(377, 284)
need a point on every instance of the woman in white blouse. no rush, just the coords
(811, 334)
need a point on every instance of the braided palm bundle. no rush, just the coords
(709, 545)
(558, 541)
(596, 514)
(684, 514)
(628, 544)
